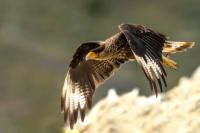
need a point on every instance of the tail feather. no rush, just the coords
(172, 47)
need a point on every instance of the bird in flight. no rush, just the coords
(94, 62)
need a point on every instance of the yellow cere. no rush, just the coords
(91, 55)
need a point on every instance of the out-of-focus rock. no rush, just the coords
(177, 111)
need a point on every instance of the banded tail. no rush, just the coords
(172, 47)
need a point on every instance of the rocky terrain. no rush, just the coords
(177, 111)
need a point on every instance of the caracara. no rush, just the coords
(94, 62)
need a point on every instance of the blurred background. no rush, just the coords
(38, 39)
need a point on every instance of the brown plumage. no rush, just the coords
(94, 62)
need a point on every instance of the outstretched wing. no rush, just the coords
(147, 46)
(80, 83)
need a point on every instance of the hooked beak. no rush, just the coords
(91, 56)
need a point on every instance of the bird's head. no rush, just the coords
(96, 54)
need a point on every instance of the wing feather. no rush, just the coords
(147, 46)
(80, 83)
